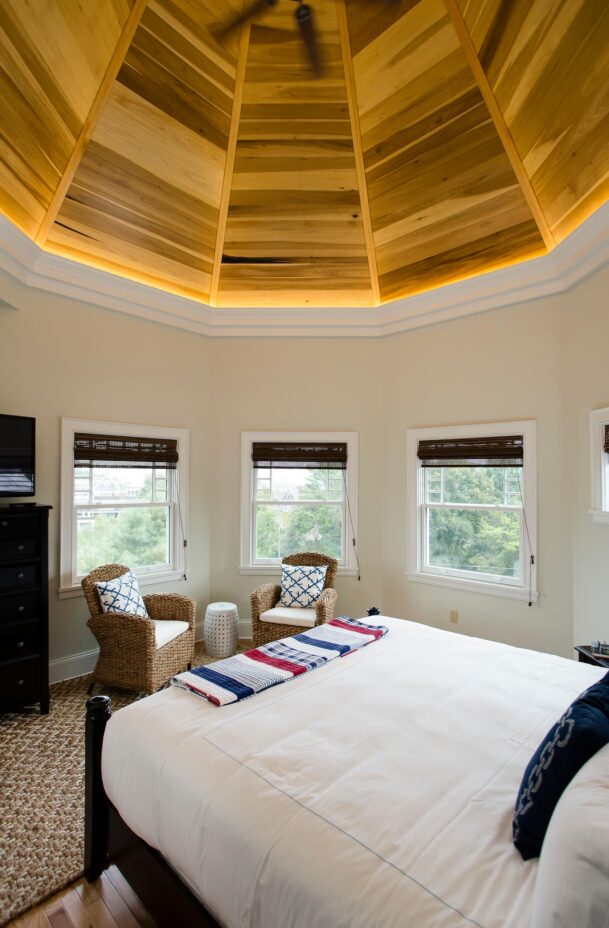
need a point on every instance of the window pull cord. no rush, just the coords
(353, 541)
(184, 541)
(531, 556)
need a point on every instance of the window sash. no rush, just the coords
(171, 489)
(464, 574)
(277, 504)
(170, 505)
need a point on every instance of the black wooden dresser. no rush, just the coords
(24, 607)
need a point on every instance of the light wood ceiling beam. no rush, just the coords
(499, 121)
(90, 122)
(229, 165)
(345, 42)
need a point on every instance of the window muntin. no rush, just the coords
(114, 513)
(287, 509)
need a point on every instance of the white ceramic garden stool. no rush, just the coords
(221, 629)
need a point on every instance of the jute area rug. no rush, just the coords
(42, 764)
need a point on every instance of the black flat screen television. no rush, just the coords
(17, 455)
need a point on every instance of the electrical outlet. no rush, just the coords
(453, 615)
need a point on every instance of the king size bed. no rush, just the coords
(375, 791)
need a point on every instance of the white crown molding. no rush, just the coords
(583, 252)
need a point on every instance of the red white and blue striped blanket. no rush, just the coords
(244, 674)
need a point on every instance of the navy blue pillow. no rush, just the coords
(581, 732)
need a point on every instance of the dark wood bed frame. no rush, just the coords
(108, 840)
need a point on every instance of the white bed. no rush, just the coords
(375, 791)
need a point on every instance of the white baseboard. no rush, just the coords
(75, 665)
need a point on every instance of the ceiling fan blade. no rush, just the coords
(255, 9)
(309, 35)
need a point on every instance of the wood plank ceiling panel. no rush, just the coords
(548, 64)
(444, 200)
(294, 198)
(144, 200)
(54, 56)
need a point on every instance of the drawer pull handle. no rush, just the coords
(19, 575)
(20, 682)
(20, 547)
(20, 644)
(3, 524)
(20, 608)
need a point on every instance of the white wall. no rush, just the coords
(587, 373)
(61, 358)
(544, 360)
(294, 385)
(492, 367)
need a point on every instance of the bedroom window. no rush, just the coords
(123, 500)
(472, 508)
(299, 493)
(599, 459)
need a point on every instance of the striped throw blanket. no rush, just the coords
(244, 674)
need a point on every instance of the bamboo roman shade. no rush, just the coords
(607, 439)
(309, 455)
(122, 451)
(495, 451)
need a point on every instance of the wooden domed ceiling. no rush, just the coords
(445, 138)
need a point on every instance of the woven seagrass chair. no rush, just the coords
(138, 653)
(283, 620)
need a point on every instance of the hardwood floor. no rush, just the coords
(108, 903)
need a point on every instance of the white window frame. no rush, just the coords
(599, 483)
(451, 578)
(248, 563)
(70, 583)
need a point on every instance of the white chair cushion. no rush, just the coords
(290, 615)
(165, 630)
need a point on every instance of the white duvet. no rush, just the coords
(376, 791)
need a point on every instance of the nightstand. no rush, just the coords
(586, 656)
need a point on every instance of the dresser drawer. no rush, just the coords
(18, 606)
(19, 546)
(18, 523)
(19, 641)
(18, 575)
(19, 680)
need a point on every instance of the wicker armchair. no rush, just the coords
(266, 597)
(128, 652)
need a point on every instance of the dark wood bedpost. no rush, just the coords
(96, 802)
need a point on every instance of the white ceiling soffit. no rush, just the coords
(584, 251)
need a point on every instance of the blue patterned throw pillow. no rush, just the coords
(571, 742)
(301, 586)
(122, 595)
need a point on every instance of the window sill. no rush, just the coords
(274, 570)
(475, 586)
(600, 515)
(170, 576)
